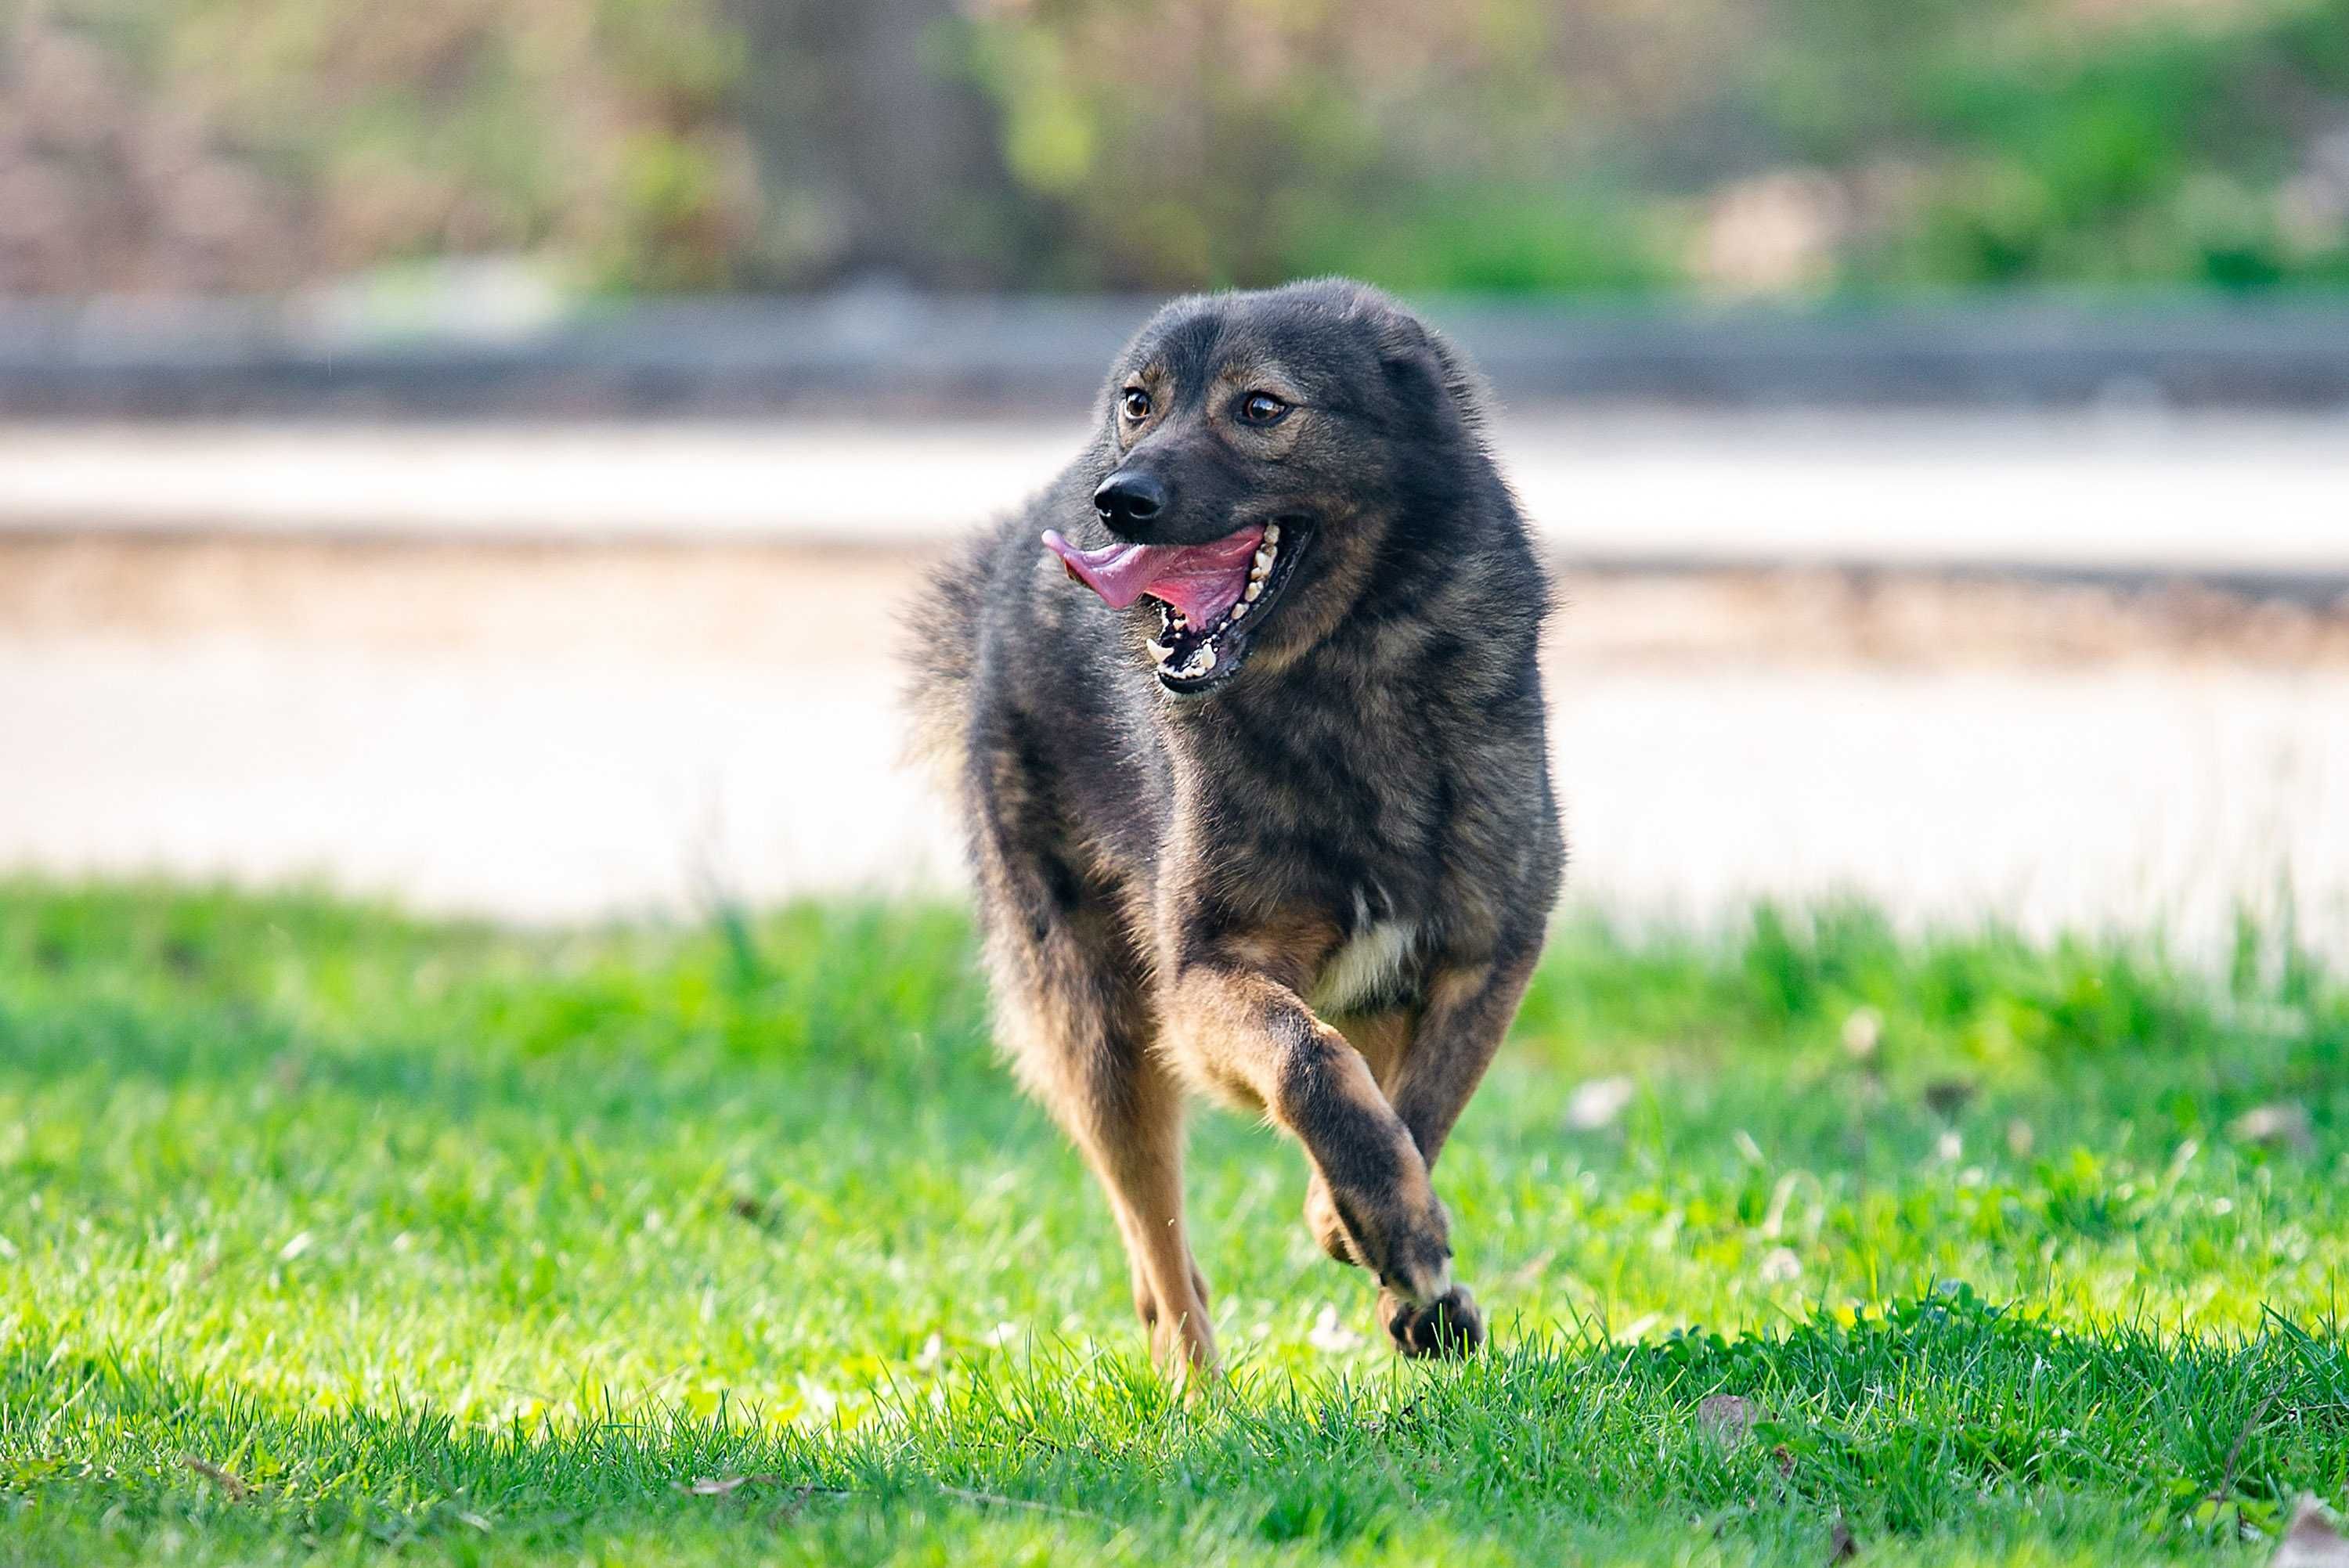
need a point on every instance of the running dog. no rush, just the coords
(1244, 715)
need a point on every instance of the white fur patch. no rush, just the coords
(1363, 968)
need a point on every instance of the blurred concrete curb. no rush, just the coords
(875, 349)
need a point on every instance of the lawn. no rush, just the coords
(330, 1234)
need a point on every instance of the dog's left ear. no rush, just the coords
(1429, 374)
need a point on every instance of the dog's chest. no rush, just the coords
(1350, 825)
(1371, 968)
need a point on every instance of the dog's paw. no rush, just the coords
(1322, 1218)
(1450, 1326)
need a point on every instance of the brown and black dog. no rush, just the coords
(1259, 802)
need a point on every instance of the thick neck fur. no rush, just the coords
(1354, 750)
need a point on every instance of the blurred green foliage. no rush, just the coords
(1761, 147)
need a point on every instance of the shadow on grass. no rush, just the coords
(1942, 1416)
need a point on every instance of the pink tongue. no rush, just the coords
(1201, 581)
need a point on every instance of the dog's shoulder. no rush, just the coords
(1025, 681)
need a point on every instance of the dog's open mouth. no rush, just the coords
(1211, 597)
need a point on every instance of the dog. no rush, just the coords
(1245, 718)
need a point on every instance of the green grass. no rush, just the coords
(325, 1232)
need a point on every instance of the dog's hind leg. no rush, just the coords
(1135, 1143)
(1071, 1026)
(1468, 1010)
(1071, 1015)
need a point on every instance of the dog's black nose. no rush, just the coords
(1128, 496)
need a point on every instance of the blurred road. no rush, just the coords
(2122, 491)
(558, 731)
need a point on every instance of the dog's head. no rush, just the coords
(1254, 452)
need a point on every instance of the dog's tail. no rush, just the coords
(938, 639)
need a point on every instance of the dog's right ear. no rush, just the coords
(1427, 372)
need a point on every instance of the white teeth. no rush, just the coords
(1159, 651)
(1238, 610)
(1255, 588)
(1205, 662)
(1264, 560)
(1272, 533)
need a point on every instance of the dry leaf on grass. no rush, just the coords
(1947, 1096)
(997, 1500)
(1331, 1336)
(2312, 1541)
(229, 1481)
(786, 1498)
(1863, 1031)
(2282, 1125)
(1598, 1103)
(726, 1486)
(1726, 1419)
(757, 1211)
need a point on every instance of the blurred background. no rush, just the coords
(482, 451)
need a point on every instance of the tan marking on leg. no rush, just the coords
(1258, 1039)
(1383, 1037)
(1124, 1110)
(1469, 1010)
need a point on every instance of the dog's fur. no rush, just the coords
(1316, 888)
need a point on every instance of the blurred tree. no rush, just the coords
(877, 153)
(1740, 146)
(340, 137)
(1216, 141)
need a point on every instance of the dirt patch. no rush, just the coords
(802, 607)
(1922, 620)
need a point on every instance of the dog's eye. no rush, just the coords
(1135, 402)
(1262, 408)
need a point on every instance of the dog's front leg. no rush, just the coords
(1469, 1009)
(1257, 1037)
